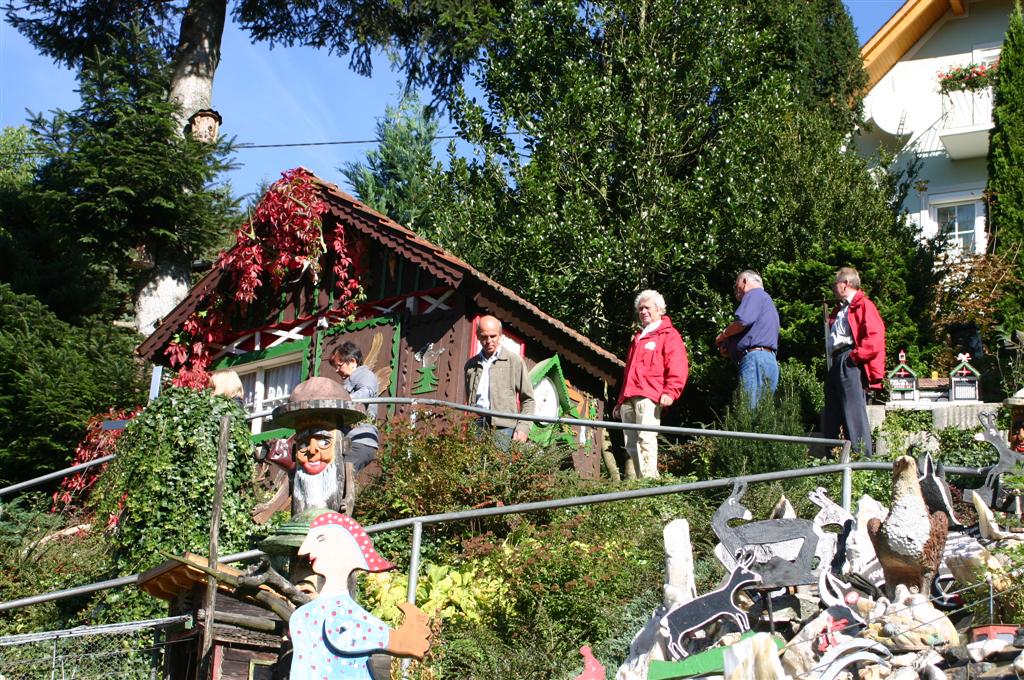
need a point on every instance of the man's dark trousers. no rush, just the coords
(846, 403)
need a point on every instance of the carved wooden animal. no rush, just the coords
(698, 613)
(1008, 460)
(776, 572)
(909, 543)
(935, 489)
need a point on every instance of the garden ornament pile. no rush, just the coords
(318, 409)
(332, 636)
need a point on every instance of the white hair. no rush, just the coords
(315, 491)
(652, 295)
(752, 277)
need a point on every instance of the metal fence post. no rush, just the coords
(414, 561)
(844, 459)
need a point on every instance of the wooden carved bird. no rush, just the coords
(909, 543)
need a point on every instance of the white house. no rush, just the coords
(909, 117)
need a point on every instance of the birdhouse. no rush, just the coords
(964, 381)
(204, 125)
(902, 381)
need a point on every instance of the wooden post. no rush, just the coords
(205, 667)
(608, 456)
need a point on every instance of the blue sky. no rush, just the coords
(279, 96)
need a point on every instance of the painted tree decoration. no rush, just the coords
(283, 241)
(427, 381)
(332, 636)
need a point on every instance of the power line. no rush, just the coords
(248, 145)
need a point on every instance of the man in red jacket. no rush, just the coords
(856, 344)
(656, 372)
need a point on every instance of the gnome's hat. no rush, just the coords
(318, 399)
(372, 559)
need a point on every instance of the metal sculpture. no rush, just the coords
(698, 613)
(936, 491)
(991, 492)
(775, 571)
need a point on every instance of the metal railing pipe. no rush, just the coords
(29, 483)
(609, 424)
(512, 509)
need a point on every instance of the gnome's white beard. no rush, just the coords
(313, 491)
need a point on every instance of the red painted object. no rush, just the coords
(1001, 631)
(592, 668)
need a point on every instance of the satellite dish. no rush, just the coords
(889, 114)
(545, 398)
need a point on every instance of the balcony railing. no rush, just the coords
(966, 120)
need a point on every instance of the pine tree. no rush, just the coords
(115, 183)
(395, 177)
(1006, 165)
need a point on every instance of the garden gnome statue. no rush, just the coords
(332, 636)
(318, 409)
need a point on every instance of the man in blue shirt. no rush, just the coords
(753, 338)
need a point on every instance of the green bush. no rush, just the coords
(157, 494)
(779, 415)
(34, 559)
(53, 378)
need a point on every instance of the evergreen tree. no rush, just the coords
(669, 146)
(53, 378)
(1006, 166)
(115, 184)
(395, 178)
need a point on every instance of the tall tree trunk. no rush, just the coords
(195, 63)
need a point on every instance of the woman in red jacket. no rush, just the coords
(656, 372)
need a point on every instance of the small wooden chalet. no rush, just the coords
(415, 325)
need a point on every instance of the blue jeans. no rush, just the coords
(759, 372)
(502, 435)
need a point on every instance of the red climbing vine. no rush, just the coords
(283, 241)
(96, 443)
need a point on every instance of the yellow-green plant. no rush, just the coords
(442, 592)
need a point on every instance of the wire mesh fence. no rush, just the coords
(128, 651)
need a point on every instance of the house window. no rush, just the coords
(267, 387)
(957, 223)
(268, 377)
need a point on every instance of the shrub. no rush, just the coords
(53, 378)
(158, 493)
(778, 415)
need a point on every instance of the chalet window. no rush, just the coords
(268, 377)
(267, 387)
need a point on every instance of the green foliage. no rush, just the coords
(17, 158)
(159, 490)
(778, 415)
(53, 378)
(1005, 169)
(116, 182)
(447, 464)
(30, 565)
(395, 178)
(667, 147)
